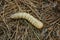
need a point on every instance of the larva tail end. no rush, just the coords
(40, 26)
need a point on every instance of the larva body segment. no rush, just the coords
(38, 24)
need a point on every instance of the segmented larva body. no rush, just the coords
(38, 24)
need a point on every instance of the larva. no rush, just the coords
(38, 24)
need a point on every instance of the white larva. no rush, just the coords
(38, 24)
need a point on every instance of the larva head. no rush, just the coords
(14, 16)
